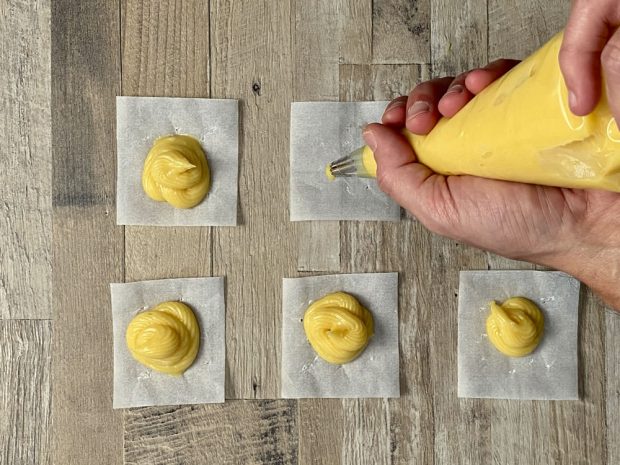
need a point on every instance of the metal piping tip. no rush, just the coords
(344, 166)
(347, 166)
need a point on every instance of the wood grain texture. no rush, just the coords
(517, 28)
(268, 54)
(355, 22)
(557, 432)
(165, 48)
(577, 429)
(459, 36)
(316, 51)
(379, 82)
(397, 430)
(534, 443)
(366, 435)
(25, 180)
(87, 244)
(319, 246)
(88, 247)
(325, 33)
(401, 31)
(612, 387)
(238, 432)
(251, 60)
(321, 431)
(458, 42)
(25, 347)
(454, 418)
(165, 52)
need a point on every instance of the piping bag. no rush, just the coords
(520, 128)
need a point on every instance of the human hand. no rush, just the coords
(592, 40)
(568, 229)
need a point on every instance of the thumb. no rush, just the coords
(409, 183)
(580, 55)
(610, 59)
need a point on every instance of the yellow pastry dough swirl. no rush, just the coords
(338, 327)
(176, 171)
(165, 338)
(515, 327)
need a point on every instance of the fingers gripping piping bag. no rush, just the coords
(520, 128)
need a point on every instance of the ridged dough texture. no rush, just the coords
(176, 171)
(338, 327)
(515, 327)
(165, 338)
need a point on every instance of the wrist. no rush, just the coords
(597, 265)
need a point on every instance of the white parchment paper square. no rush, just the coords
(322, 132)
(550, 372)
(203, 382)
(374, 373)
(214, 123)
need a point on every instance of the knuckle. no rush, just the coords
(421, 89)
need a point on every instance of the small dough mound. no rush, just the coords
(176, 171)
(165, 338)
(515, 327)
(328, 173)
(338, 327)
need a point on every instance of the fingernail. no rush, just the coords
(572, 100)
(455, 89)
(396, 104)
(417, 109)
(369, 138)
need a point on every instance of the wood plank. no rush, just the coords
(517, 28)
(25, 358)
(531, 417)
(315, 50)
(248, 432)
(577, 429)
(366, 438)
(379, 82)
(612, 387)
(88, 248)
(454, 418)
(355, 23)
(165, 48)
(165, 52)
(25, 181)
(564, 432)
(87, 245)
(396, 430)
(458, 42)
(319, 246)
(458, 36)
(251, 60)
(325, 33)
(401, 31)
(321, 431)
(412, 419)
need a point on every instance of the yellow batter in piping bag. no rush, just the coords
(165, 338)
(519, 128)
(176, 171)
(338, 327)
(515, 327)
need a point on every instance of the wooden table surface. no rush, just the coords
(266, 54)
